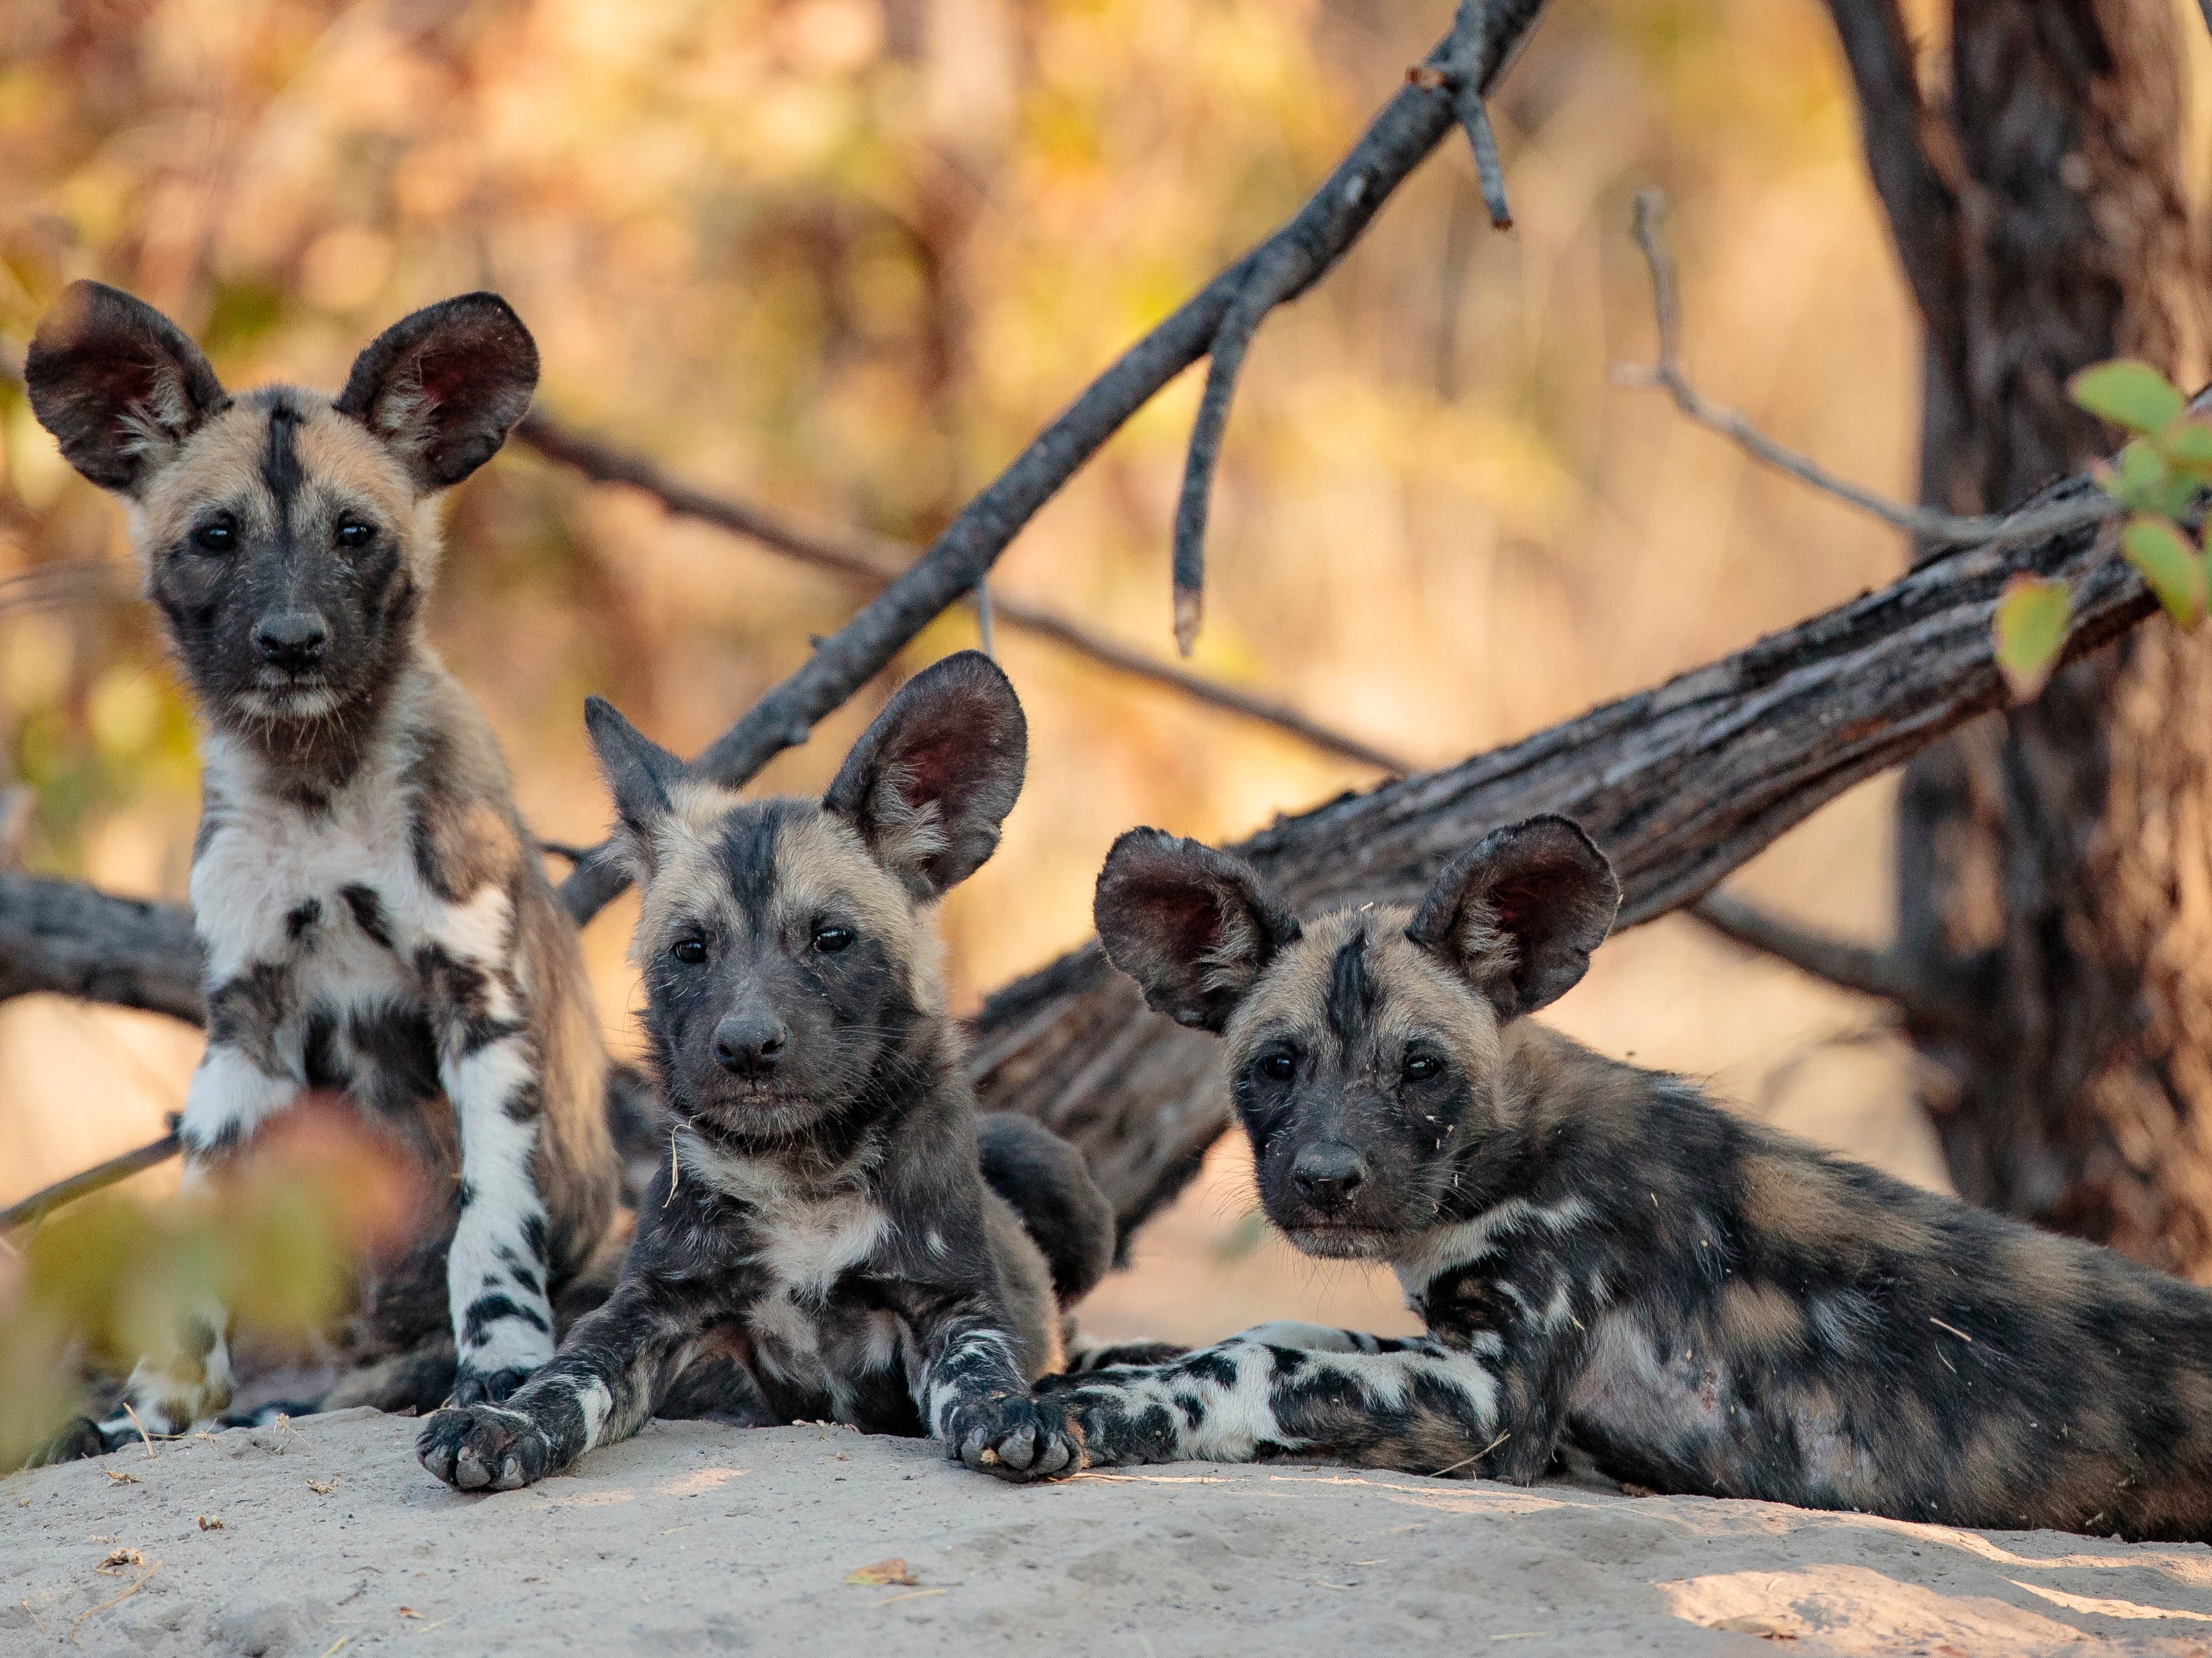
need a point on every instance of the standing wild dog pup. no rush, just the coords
(821, 1243)
(1699, 1303)
(375, 917)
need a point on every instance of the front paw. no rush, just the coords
(484, 1448)
(1017, 1438)
(475, 1387)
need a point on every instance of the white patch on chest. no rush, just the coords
(807, 1242)
(1443, 1248)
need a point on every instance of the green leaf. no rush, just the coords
(2127, 393)
(2169, 564)
(2187, 444)
(2030, 626)
(2139, 481)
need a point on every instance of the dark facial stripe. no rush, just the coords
(1351, 990)
(280, 466)
(748, 855)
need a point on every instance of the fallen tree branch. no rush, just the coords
(878, 563)
(60, 936)
(1881, 974)
(1935, 529)
(1409, 127)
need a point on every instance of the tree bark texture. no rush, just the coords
(2055, 860)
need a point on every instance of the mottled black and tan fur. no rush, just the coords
(375, 918)
(823, 1243)
(1606, 1259)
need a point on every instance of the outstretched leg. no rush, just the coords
(1287, 1390)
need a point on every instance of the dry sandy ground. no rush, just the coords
(695, 1538)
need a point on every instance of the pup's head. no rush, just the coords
(286, 538)
(790, 963)
(1364, 1047)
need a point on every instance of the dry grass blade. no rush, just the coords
(115, 1601)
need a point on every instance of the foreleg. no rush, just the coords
(1415, 1405)
(971, 1394)
(245, 1077)
(489, 1063)
(612, 1371)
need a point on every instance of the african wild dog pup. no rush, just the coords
(1699, 1302)
(373, 913)
(822, 1242)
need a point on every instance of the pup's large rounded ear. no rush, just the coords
(928, 783)
(1518, 915)
(117, 384)
(641, 775)
(1194, 927)
(445, 385)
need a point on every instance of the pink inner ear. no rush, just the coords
(929, 768)
(126, 381)
(441, 374)
(1192, 919)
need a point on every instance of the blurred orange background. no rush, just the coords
(843, 256)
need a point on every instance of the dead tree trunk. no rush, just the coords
(2055, 861)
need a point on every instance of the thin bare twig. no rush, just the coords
(100, 1175)
(1283, 267)
(114, 1600)
(1461, 68)
(1475, 118)
(1937, 529)
(880, 563)
(1881, 974)
(1407, 128)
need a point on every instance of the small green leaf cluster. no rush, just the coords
(2157, 478)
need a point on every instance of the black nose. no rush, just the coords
(1329, 1173)
(749, 1044)
(291, 639)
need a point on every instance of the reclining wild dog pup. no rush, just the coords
(820, 1243)
(375, 919)
(1697, 1302)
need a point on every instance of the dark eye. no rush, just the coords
(354, 535)
(216, 537)
(1422, 1066)
(690, 951)
(831, 939)
(1278, 1067)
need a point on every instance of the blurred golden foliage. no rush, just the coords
(275, 1239)
(844, 257)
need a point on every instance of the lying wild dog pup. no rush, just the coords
(375, 919)
(822, 1243)
(1699, 1302)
